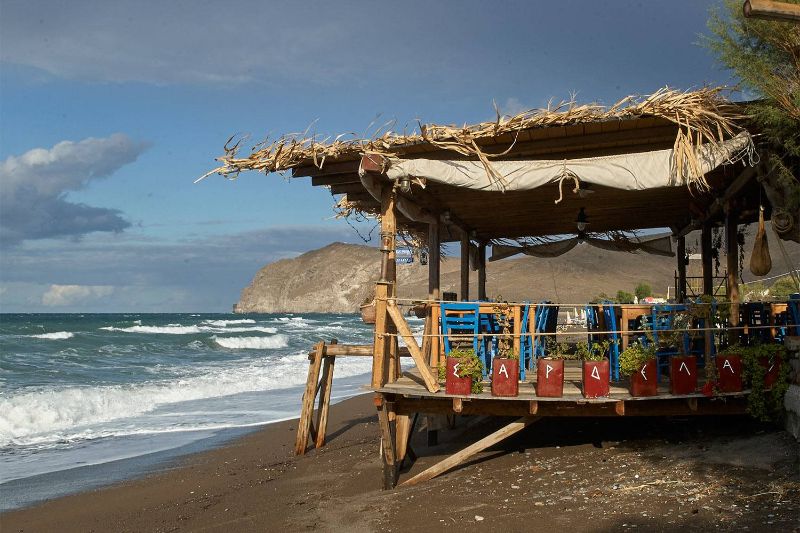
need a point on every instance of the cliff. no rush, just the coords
(338, 277)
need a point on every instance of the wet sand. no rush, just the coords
(726, 474)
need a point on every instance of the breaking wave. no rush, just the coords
(252, 343)
(58, 335)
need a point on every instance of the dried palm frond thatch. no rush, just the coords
(702, 116)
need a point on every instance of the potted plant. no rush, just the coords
(639, 363)
(682, 366)
(765, 372)
(729, 369)
(505, 364)
(463, 372)
(550, 370)
(595, 368)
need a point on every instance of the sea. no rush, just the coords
(92, 399)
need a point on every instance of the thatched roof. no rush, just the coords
(666, 120)
(702, 116)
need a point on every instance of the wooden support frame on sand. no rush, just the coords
(471, 450)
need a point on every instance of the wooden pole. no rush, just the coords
(680, 294)
(771, 10)
(731, 229)
(304, 426)
(705, 251)
(464, 266)
(324, 399)
(434, 269)
(431, 383)
(468, 452)
(389, 456)
(482, 271)
(384, 289)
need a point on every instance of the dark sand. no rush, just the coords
(726, 474)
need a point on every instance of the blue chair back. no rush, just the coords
(545, 321)
(525, 342)
(612, 325)
(793, 313)
(460, 319)
(662, 319)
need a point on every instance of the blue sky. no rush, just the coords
(109, 111)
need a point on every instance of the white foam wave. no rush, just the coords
(177, 329)
(225, 323)
(58, 335)
(172, 329)
(252, 343)
(67, 414)
(243, 330)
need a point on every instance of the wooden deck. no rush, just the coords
(410, 395)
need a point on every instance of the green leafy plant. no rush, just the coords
(634, 357)
(502, 314)
(557, 350)
(643, 290)
(469, 366)
(762, 403)
(595, 351)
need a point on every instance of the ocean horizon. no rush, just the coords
(87, 399)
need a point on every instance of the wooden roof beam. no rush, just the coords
(770, 10)
(328, 169)
(717, 206)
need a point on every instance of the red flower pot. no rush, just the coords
(683, 374)
(595, 379)
(550, 378)
(643, 381)
(773, 369)
(505, 377)
(453, 383)
(729, 372)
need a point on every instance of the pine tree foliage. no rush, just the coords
(765, 55)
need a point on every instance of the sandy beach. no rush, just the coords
(579, 474)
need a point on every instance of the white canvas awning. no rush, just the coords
(632, 171)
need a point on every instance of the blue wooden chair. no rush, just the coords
(461, 323)
(612, 325)
(545, 321)
(793, 313)
(662, 320)
(525, 342)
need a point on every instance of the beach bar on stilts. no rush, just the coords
(540, 183)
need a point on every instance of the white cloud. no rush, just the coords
(63, 295)
(33, 187)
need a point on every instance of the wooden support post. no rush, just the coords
(464, 266)
(389, 455)
(705, 251)
(304, 426)
(431, 382)
(458, 405)
(402, 431)
(324, 399)
(680, 290)
(731, 230)
(384, 289)
(482, 271)
(380, 347)
(434, 264)
(468, 452)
